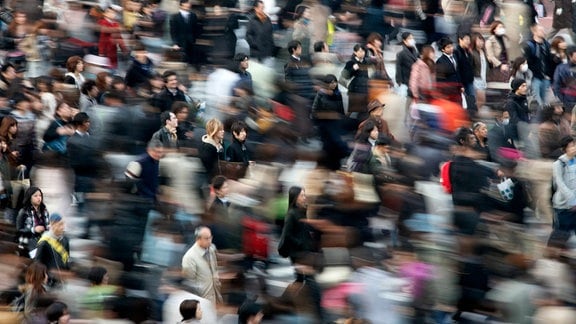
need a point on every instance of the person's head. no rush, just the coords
(33, 197)
(480, 130)
(63, 111)
(57, 313)
(140, 53)
(520, 64)
(368, 131)
(8, 71)
(44, 83)
(3, 144)
(376, 109)
(408, 39)
(190, 310)
(296, 198)
(36, 275)
(242, 60)
(538, 31)
(427, 53)
(8, 127)
(156, 81)
(114, 98)
(558, 44)
(464, 39)
(81, 121)
(203, 237)
(103, 80)
(320, 46)
(502, 116)
(497, 28)
(168, 119)
(250, 313)
(98, 276)
(220, 186)
(155, 149)
(568, 145)
(170, 79)
(465, 137)
(446, 46)
(477, 41)
(375, 39)
(90, 89)
(20, 17)
(519, 87)
(109, 13)
(302, 12)
(382, 144)
(181, 110)
(75, 64)
(185, 5)
(239, 130)
(330, 81)
(359, 51)
(294, 48)
(21, 102)
(57, 224)
(215, 129)
(118, 83)
(571, 53)
(258, 7)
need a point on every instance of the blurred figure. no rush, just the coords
(564, 197)
(199, 266)
(59, 131)
(564, 84)
(259, 33)
(550, 131)
(497, 49)
(88, 95)
(185, 128)
(250, 313)
(242, 60)
(423, 73)
(190, 311)
(500, 134)
(237, 151)
(34, 290)
(481, 132)
(57, 313)
(75, 67)
(517, 107)
(141, 69)
(110, 37)
(520, 70)
(296, 71)
(375, 112)
(537, 54)
(558, 54)
(364, 142)
(463, 57)
(94, 300)
(446, 65)
(404, 61)
(303, 29)
(375, 53)
(184, 29)
(211, 149)
(173, 91)
(355, 72)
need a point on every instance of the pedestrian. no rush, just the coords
(58, 313)
(480, 67)
(167, 134)
(110, 37)
(190, 311)
(184, 29)
(53, 249)
(423, 74)
(497, 49)
(32, 220)
(212, 150)
(259, 33)
(75, 67)
(564, 197)
(355, 73)
(517, 107)
(564, 83)
(539, 59)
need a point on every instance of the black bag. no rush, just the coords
(284, 246)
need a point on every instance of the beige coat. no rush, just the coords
(201, 275)
(493, 51)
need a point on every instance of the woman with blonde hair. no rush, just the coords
(212, 149)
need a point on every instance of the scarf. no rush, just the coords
(56, 246)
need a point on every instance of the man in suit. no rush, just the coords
(200, 268)
(446, 65)
(184, 29)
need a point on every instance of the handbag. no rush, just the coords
(495, 74)
(19, 187)
(506, 188)
(232, 170)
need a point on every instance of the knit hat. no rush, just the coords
(516, 83)
(55, 218)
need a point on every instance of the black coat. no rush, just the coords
(404, 61)
(446, 71)
(184, 32)
(165, 99)
(464, 65)
(297, 72)
(237, 152)
(46, 255)
(259, 36)
(359, 78)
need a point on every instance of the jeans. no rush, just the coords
(540, 89)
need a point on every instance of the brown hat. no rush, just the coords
(375, 104)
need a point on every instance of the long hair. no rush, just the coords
(213, 126)
(5, 125)
(293, 194)
(365, 131)
(35, 277)
(425, 53)
(28, 197)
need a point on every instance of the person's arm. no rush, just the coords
(415, 79)
(400, 57)
(492, 59)
(558, 171)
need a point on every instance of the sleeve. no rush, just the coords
(189, 269)
(399, 62)
(557, 82)
(561, 186)
(174, 32)
(490, 53)
(51, 133)
(415, 75)
(42, 252)
(251, 35)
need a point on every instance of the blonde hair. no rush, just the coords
(213, 126)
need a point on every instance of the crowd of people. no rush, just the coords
(439, 156)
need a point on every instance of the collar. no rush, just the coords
(82, 133)
(296, 58)
(184, 13)
(224, 201)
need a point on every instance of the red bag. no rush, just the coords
(445, 177)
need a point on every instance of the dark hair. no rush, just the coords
(80, 118)
(44, 79)
(570, 50)
(300, 11)
(27, 204)
(319, 46)
(293, 194)
(188, 309)
(59, 105)
(238, 126)
(218, 182)
(168, 74)
(461, 135)
(72, 62)
(405, 35)
(463, 34)
(293, 45)
(547, 113)
(424, 52)
(565, 141)
(240, 57)
(87, 86)
(443, 42)
(516, 65)
(165, 116)
(475, 36)
(55, 311)
(247, 310)
(256, 3)
(357, 47)
(329, 78)
(35, 276)
(183, 2)
(115, 95)
(365, 131)
(179, 106)
(96, 275)
(6, 66)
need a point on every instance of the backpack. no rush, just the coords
(445, 177)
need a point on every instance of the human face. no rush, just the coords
(80, 66)
(244, 64)
(3, 146)
(408, 40)
(471, 140)
(219, 136)
(64, 319)
(464, 42)
(36, 199)
(10, 73)
(563, 45)
(479, 43)
(182, 116)
(241, 136)
(173, 121)
(157, 83)
(156, 153)
(360, 53)
(20, 18)
(58, 228)
(571, 149)
(297, 51)
(449, 49)
(333, 85)
(13, 129)
(64, 111)
(205, 238)
(377, 113)
(522, 90)
(301, 201)
(110, 14)
(172, 82)
(223, 191)
(198, 312)
(259, 8)
(481, 131)
(93, 92)
(374, 133)
(538, 31)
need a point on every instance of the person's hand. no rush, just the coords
(15, 154)
(504, 67)
(355, 66)
(39, 229)
(558, 11)
(175, 47)
(65, 131)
